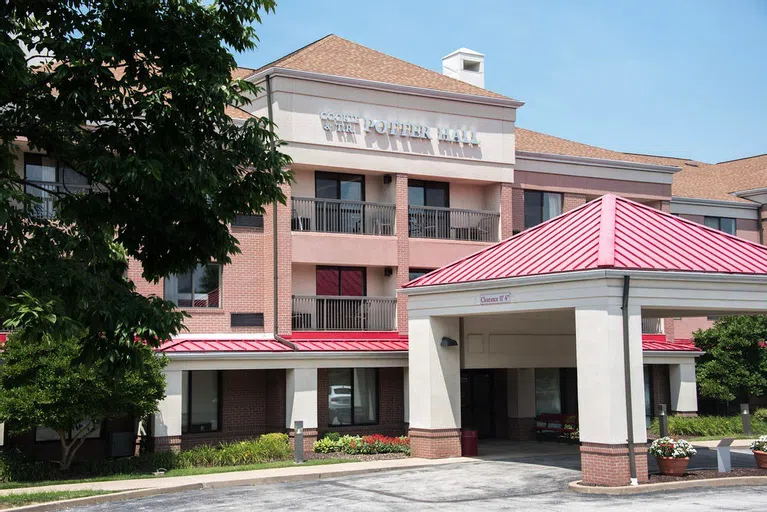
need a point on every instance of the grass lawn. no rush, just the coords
(18, 500)
(717, 438)
(177, 472)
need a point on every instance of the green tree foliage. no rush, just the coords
(134, 100)
(47, 383)
(735, 363)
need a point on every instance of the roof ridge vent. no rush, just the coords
(606, 251)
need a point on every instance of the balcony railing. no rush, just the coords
(452, 224)
(45, 208)
(335, 216)
(331, 313)
(652, 326)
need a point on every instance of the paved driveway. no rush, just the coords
(520, 483)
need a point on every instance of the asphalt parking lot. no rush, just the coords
(529, 483)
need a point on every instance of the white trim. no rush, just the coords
(384, 86)
(714, 208)
(598, 162)
(750, 192)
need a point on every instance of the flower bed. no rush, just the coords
(362, 445)
(672, 448)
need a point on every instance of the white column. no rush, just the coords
(167, 419)
(434, 374)
(684, 394)
(601, 385)
(301, 397)
(521, 393)
(406, 388)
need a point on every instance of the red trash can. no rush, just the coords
(468, 442)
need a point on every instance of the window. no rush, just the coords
(352, 396)
(725, 224)
(415, 273)
(200, 401)
(471, 65)
(548, 397)
(335, 217)
(428, 193)
(44, 173)
(48, 434)
(197, 289)
(541, 206)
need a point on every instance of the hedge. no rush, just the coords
(354, 445)
(704, 426)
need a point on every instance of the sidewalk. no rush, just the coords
(235, 478)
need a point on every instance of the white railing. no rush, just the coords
(652, 326)
(47, 192)
(334, 216)
(452, 224)
(331, 313)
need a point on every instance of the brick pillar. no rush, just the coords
(668, 329)
(403, 248)
(310, 436)
(507, 211)
(608, 464)
(665, 206)
(143, 286)
(517, 209)
(572, 201)
(435, 443)
(763, 225)
(166, 444)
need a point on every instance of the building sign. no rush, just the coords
(349, 123)
(495, 298)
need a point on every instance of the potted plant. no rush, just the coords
(759, 448)
(673, 455)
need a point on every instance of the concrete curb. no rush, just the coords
(155, 491)
(626, 490)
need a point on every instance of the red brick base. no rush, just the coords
(166, 444)
(310, 436)
(686, 414)
(608, 464)
(522, 429)
(435, 444)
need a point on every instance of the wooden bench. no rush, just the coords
(561, 425)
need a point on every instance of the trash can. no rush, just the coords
(468, 442)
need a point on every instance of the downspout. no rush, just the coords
(762, 223)
(627, 377)
(272, 150)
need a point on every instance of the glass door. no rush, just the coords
(344, 313)
(343, 213)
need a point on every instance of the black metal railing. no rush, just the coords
(336, 216)
(332, 313)
(47, 192)
(452, 224)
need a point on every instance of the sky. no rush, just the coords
(684, 78)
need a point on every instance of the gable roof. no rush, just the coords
(609, 232)
(333, 55)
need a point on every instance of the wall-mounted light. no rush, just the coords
(387, 179)
(388, 271)
(448, 342)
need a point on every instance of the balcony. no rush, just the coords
(333, 313)
(339, 216)
(652, 325)
(45, 209)
(452, 224)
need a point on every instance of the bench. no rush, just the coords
(561, 425)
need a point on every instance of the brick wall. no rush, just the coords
(403, 248)
(507, 210)
(518, 209)
(572, 201)
(660, 387)
(253, 403)
(435, 444)
(669, 329)
(391, 405)
(608, 465)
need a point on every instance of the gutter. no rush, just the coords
(627, 381)
(601, 162)
(274, 210)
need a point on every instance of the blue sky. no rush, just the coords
(676, 77)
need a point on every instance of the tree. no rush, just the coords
(47, 384)
(131, 98)
(735, 363)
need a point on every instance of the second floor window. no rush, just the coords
(42, 174)
(541, 206)
(200, 288)
(725, 224)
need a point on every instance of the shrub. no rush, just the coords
(335, 436)
(354, 445)
(16, 467)
(327, 445)
(760, 415)
(697, 426)
(671, 447)
(267, 448)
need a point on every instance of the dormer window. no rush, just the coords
(471, 65)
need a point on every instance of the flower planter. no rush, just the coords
(673, 466)
(761, 459)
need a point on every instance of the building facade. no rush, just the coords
(399, 171)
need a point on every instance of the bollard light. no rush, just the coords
(662, 420)
(298, 442)
(745, 415)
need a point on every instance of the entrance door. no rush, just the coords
(477, 402)
(343, 313)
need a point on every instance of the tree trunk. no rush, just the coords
(69, 448)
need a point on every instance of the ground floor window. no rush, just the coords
(200, 401)
(352, 396)
(548, 397)
(48, 434)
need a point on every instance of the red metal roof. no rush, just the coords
(223, 345)
(609, 232)
(658, 343)
(352, 341)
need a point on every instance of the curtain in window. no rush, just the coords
(365, 396)
(203, 401)
(552, 205)
(339, 397)
(547, 391)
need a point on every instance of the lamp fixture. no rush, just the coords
(448, 342)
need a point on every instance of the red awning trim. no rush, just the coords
(178, 345)
(658, 343)
(349, 341)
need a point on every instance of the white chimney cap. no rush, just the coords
(465, 65)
